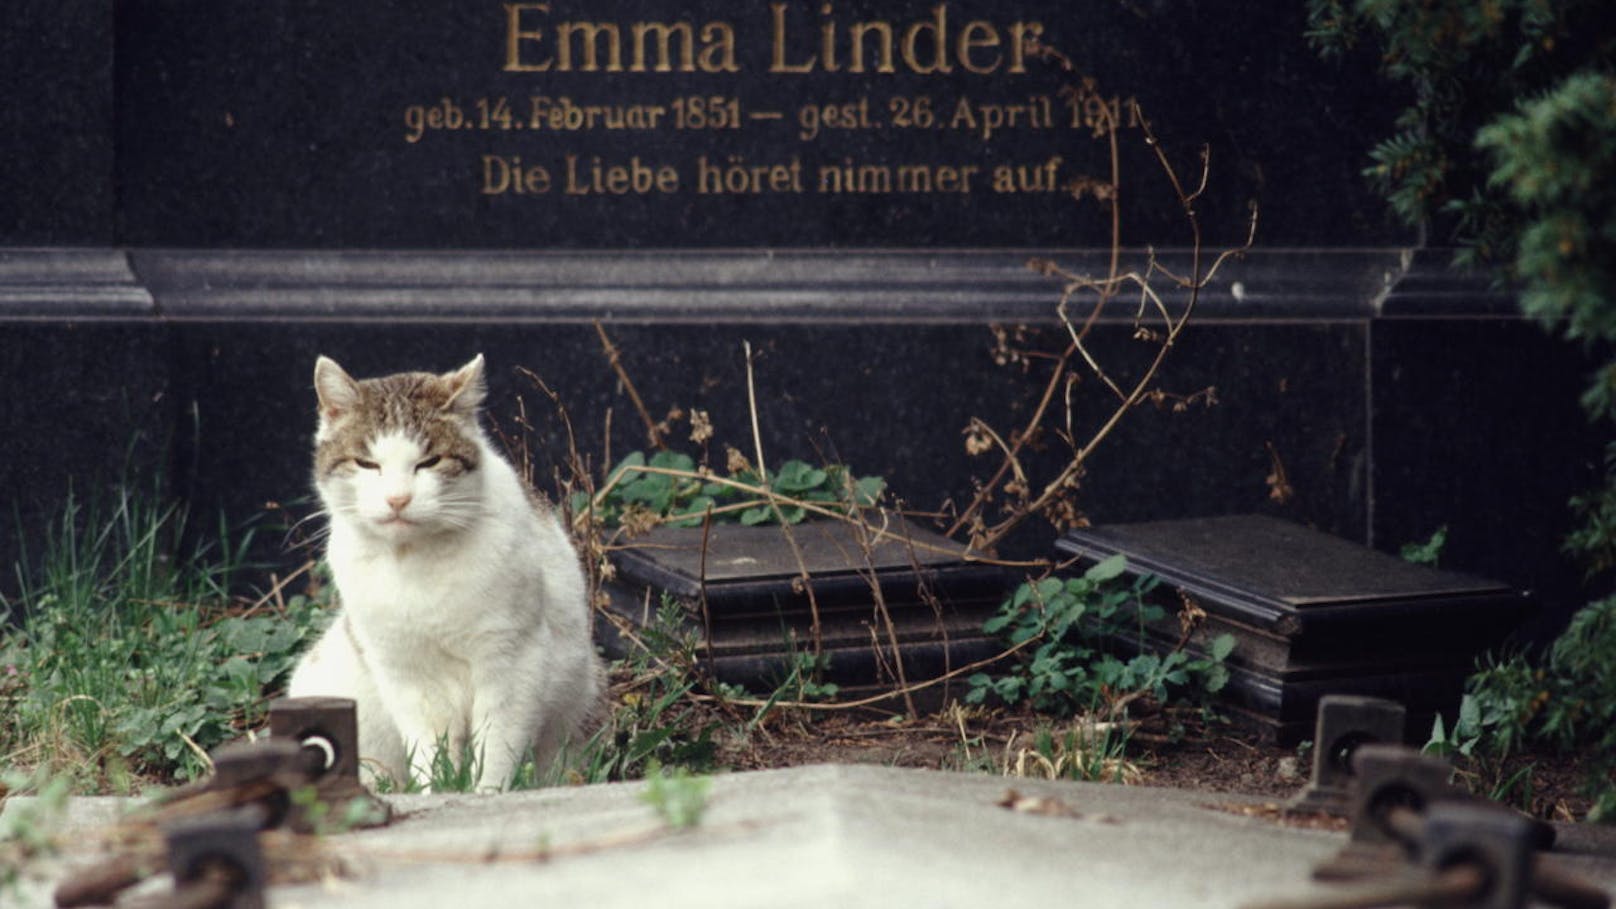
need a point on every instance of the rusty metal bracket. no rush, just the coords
(1467, 853)
(1390, 783)
(1496, 842)
(1418, 840)
(216, 860)
(1390, 777)
(255, 786)
(325, 732)
(1345, 723)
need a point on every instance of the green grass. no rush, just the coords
(128, 657)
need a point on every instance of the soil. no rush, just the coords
(1215, 759)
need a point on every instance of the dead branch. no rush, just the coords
(614, 357)
(1103, 290)
(805, 580)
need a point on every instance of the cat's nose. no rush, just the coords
(399, 501)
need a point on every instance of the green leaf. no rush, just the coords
(673, 460)
(644, 744)
(797, 476)
(1222, 646)
(1428, 552)
(631, 460)
(1049, 589)
(1107, 569)
(867, 490)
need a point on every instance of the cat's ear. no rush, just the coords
(466, 388)
(337, 391)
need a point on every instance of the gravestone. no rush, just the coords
(202, 195)
(793, 123)
(1311, 615)
(877, 608)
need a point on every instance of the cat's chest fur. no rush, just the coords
(440, 593)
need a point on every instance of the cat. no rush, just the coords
(465, 616)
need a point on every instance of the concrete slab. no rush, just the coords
(841, 836)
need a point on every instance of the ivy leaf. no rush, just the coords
(798, 476)
(1107, 569)
(867, 491)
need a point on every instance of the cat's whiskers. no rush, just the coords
(297, 537)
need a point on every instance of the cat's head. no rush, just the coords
(398, 457)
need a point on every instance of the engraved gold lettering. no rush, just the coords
(502, 175)
(777, 57)
(736, 176)
(812, 118)
(937, 29)
(671, 38)
(590, 34)
(718, 48)
(596, 177)
(1028, 178)
(1021, 34)
(926, 46)
(974, 35)
(664, 34)
(852, 177)
(856, 36)
(516, 36)
(827, 41)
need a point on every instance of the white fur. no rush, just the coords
(468, 607)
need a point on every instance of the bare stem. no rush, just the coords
(614, 358)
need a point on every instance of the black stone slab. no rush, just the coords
(872, 599)
(56, 125)
(446, 123)
(888, 400)
(736, 287)
(87, 416)
(67, 285)
(1312, 614)
(1386, 425)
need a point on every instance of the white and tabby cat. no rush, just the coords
(465, 616)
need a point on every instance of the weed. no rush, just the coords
(450, 770)
(654, 719)
(669, 486)
(1565, 701)
(1428, 552)
(326, 818)
(1089, 752)
(805, 680)
(1067, 624)
(128, 657)
(28, 833)
(677, 796)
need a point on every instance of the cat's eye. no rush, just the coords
(366, 465)
(429, 463)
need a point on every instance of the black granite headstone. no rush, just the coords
(199, 196)
(901, 123)
(56, 125)
(882, 608)
(1312, 614)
